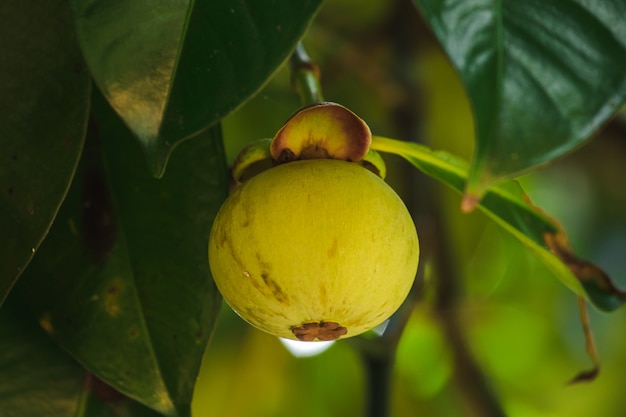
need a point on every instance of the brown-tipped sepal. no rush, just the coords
(248, 160)
(375, 163)
(322, 131)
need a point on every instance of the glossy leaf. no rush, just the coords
(123, 280)
(508, 206)
(173, 70)
(541, 75)
(37, 378)
(41, 66)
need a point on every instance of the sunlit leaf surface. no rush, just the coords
(508, 206)
(541, 75)
(174, 69)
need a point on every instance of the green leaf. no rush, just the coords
(173, 70)
(508, 206)
(541, 75)
(123, 279)
(41, 140)
(37, 378)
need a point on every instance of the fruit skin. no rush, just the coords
(314, 244)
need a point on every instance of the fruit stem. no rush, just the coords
(379, 355)
(472, 384)
(305, 76)
(379, 371)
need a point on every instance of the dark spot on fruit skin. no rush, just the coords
(113, 290)
(278, 292)
(268, 282)
(249, 214)
(222, 239)
(10, 190)
(231, 248)
(261, 262)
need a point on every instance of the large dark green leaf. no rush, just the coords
(541, 75)
(508, 205)
(37, 378)
(44, 96)
(171, 71)
(123, 278)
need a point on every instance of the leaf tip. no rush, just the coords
(598, 286)
(157, 159)
(585, 376)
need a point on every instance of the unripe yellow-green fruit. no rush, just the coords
(314, 250)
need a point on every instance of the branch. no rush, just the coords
(305, 76)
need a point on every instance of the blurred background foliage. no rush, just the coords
(517, 323)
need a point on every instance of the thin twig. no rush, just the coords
(305, 76)
(468, 378)
(590, 345)
(379, 355)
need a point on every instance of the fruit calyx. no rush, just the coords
(319, 131)
(322, 330)
(322, 131)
